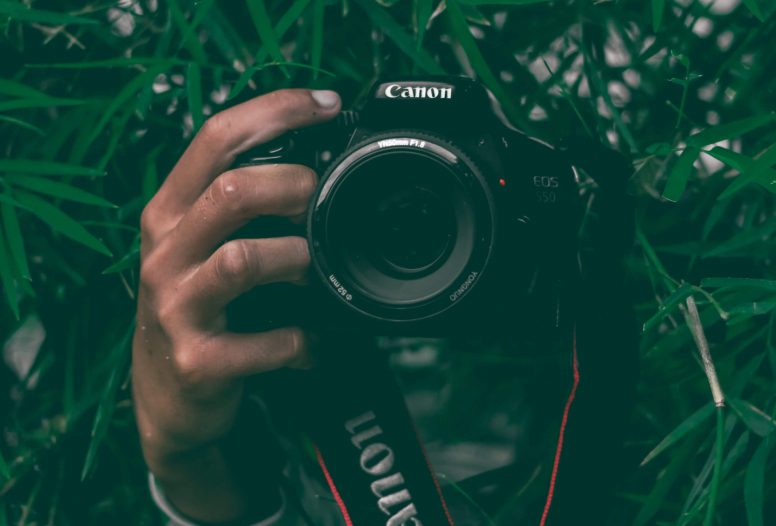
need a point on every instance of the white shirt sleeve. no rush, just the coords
(176, 519)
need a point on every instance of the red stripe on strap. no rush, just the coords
(433, 477)
(564, 421)
(333, 488)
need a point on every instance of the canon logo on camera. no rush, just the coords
(415, 90)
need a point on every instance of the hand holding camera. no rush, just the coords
(187, 368)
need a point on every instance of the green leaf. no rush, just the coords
(285, 23)
(5, 473)
(755, 418)
(690, 423)
(681, 171)
(60, 190)
(756, 11)
(188, 38)
(21, 104)
(261, 20)
(18, 11)
(460, 28)
(761, 284)
(22, 124)
(751, 170)
(674, 299)
(15, 241)
(29, 166)
(17, 89)
(127, 261)
(117, 102)
(658, 6)
(754, 483)
(659, 148)
(400, 37)
(60, 222)
(102, 419)
(123, 62)
(423, 10)
(194, 93)
(502, 2)
(729, 130)
(317, 40)
(7, 276)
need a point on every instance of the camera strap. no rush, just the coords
(365, 440)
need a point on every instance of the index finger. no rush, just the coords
(235, 130)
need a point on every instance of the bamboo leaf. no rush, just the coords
(680, 431)
(29, 166)
(681, 171)
(317, 41)
(123, 62)
(756, 11)
(754, 483)
(423, 10)
(19, 12)
(755, 418)
(461, 29)
(12, 88)
(502, 2)
(22, 104)
(127, 261)
(7, 276)
(107, 405)
(674, 299)
(22, 124)
(13, 235)
(121, 98)
(760, 284)
(261, 20)
(60, 190)
(658, 6)
(729, 130)
(60, 222)
(400, 37)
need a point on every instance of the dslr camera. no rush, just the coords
(431, 217)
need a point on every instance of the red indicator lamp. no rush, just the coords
(502, 182)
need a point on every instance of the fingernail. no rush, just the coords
(325, 98)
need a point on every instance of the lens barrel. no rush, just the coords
(402, 226)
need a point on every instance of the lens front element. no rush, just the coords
(399, 225)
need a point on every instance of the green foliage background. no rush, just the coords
(98, 98)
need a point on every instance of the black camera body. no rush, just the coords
(431, 217)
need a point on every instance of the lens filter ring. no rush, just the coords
(402, 226)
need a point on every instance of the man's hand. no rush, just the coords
(187, 369)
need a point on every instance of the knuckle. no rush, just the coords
(149, 220)
(226, 192)
(187, 367)
(216, 127)
(307, 181)
(168, 316)
(297, 345)
(151, 272)
(232, 262)
(301, 250)
(297, 341)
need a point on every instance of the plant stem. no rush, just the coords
(717, 476)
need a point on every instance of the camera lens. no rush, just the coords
(412, 229)
(399, 225)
